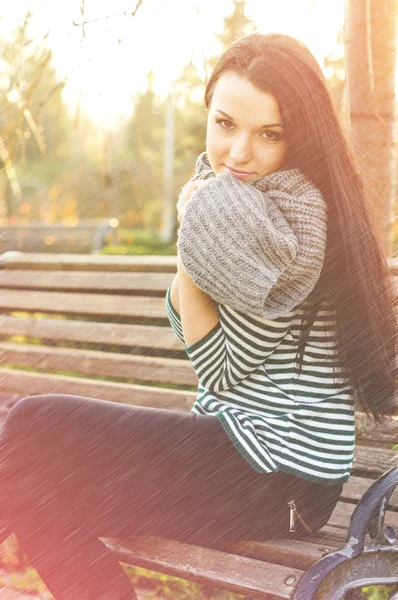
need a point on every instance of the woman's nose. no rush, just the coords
(241, 151)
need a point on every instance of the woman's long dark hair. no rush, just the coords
(355, 279)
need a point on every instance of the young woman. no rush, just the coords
(284, 304)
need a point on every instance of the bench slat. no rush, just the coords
(343, 511)
(94, 362)
(165, 555)
(145, 336)
(207, 566)
(81, 262)
(83, 304)
(144, 263)
(373, 462)
(298, 554)
(96, 281)
(26, 383)
(385, 433)
(302, 554)
(355, 487)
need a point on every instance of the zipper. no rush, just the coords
(293, 515)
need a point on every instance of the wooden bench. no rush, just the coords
(97, 326)
(89, 235)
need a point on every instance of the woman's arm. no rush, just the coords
(237, 344)
(198, 311)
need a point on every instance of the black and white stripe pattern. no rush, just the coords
(280, 419)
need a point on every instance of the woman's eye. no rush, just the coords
(225, 124)
(272, 136)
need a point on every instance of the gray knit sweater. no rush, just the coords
(257, 247)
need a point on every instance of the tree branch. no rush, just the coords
(123, 14)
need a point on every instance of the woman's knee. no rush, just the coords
(31, 411)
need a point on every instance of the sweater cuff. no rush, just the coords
(195, 348)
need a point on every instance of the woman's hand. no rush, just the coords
(185, 196)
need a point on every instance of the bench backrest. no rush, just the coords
(97, 326)
(94, 326)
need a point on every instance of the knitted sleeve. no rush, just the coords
(237, 346)
(257, 247)
(174, 318)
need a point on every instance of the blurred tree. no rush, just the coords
(144, 136)
(370, 32)
(190, 131)
(236, 25)
(190, 123)
(33, 124)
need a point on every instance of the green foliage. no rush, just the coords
(377, 592)
(159, 585)
(140, 242)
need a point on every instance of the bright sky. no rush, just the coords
(110, 65)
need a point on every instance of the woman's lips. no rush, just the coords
(238, 174)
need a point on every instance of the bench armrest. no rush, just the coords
(373, 564)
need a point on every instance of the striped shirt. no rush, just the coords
(279, 419)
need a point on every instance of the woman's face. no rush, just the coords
(245, 133)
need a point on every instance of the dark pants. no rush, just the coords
(75, 469)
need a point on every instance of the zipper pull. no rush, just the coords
(292, 526)
(304, 524)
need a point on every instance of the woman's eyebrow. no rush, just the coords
(262, 127)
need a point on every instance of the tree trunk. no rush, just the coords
(370, 33)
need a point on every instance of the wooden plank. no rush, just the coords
(330, 536)
(109, 305)
(342, 514)
(145, 336)
(298, 554)
(96, 281)
(30, 384)
(207, 566)
(355, 487)
(94, 362)
(373, 462)
(147, 263)
(87, 262)
(384, 433)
